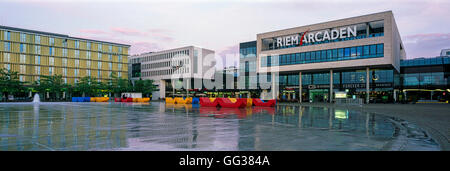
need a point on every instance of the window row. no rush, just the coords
(170, 55)
(357, 52)
(345, 77)
(247, 52)
(28, 38)
(165, 72)
(174, 63)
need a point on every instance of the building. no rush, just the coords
(35, 53)
(425, 79)
(358, 57)
(176, 72)
(247, 69)
(445, 52)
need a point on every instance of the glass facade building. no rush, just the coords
(358, 57)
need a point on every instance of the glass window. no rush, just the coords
(329, 55)
(366, 50)
(324, 55)
(340, 53)
(353, 51)
(297, 58)
(302, 58)
(380, 49)
(313, 57)
(7, 46)
(358, 51)
(37, 39)
(373, 49)
(23, 37)
(335, 53)
(307, 57)
(376, 27)
(52, 41)
(7, 35)
(346, 52)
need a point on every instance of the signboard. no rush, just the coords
(341, 95)
(320, 36)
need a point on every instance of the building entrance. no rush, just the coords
(318, 95)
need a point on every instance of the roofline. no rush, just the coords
(55, 34)
(166, 50)
(389, 11)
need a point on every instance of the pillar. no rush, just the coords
(274, 86)
(331, 86)
(162, 89)
(300, 99)
(188, 86)
(367, 85)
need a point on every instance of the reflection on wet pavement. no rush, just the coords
(157, 126)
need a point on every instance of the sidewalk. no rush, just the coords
(433, 118)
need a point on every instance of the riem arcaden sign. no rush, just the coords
(319, 36)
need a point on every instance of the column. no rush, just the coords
(331, 86)
(300, 87)
(162, 89)
(274, 87)
(188, 86)
(173, 88)
(367, 85)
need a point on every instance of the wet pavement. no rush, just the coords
(157, 126)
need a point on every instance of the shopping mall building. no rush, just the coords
(359, 58)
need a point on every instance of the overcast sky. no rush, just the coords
(220, 25)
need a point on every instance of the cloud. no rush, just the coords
(426, 44)
(128, 31)
(92, 31)
(141, 47)
(229, 56)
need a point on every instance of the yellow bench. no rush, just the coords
(169, 100)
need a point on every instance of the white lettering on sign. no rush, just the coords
(341, 33)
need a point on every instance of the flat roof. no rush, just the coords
(54, 34)
(389, 11)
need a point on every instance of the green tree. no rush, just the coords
(53, 85)
(146, 87)
(119, 85)
(10, 83)
(86, 87)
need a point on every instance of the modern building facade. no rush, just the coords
(358, 57)
(35, 53)
(247, 69)
(425, 79)
(445, 52)
(175, 71)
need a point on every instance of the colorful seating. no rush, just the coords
(169, 100)
(205, 101)
(180, 100)
(249, 102)
(195, 100)
(146, 99)
(226, 102)
(259, 102)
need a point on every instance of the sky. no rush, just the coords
(220, 25)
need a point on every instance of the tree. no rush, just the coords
(119, 85)
(146, 87)
(50, 84)
(10, 83)
(86, 86)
